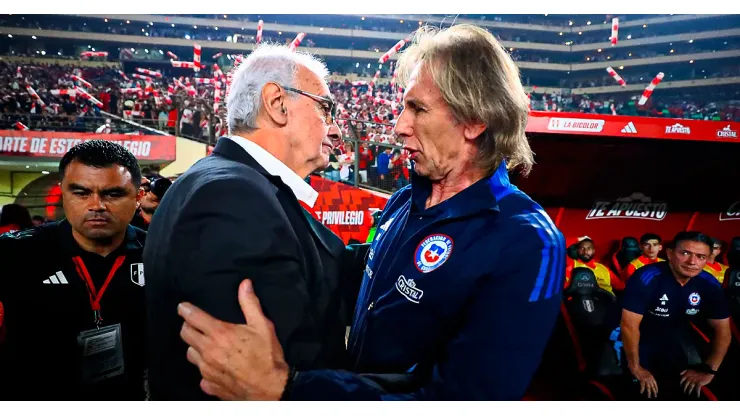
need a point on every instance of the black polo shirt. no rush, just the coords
(47, 306)
(668, 309)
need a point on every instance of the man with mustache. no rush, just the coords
(661, 302)
(74, 318)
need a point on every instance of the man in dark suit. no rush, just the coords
(237, 214)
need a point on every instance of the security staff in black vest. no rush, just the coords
(73, 291)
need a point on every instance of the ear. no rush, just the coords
(471, 131)
(273, 104)
(139, 195)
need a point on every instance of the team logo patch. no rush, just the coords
(694, 299)
(137, 274)
(432, 252)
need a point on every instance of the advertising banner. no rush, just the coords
(53, 145)
(632, 127)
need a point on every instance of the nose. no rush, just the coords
(334, 132)
(96, 203)
(403, 126)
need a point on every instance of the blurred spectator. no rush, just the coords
(15, 217)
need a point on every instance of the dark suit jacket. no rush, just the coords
(227, 219)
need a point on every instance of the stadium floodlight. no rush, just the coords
(43, 52)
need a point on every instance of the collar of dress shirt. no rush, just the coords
(302, 191)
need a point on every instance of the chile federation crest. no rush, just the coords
(432, 252)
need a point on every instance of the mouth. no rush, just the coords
(413, 153)
(97, 221)
(326, 144)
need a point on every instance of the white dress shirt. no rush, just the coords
(302, 191)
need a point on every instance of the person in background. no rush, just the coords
(163, 116)
(76, 320)
(14, 217)
(38, 220)
(661, 302)
(714, 267)
(154, 188)
(105, 128)
(605, 278)
(651, 245)
(384, 171)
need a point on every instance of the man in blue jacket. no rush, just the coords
(461, 288)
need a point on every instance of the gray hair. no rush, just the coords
(267, 63)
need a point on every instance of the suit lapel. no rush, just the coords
(231, 150)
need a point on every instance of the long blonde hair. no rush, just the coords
(480, 83)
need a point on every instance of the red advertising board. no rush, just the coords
(344, 209)
(54, 144)
(632, 127)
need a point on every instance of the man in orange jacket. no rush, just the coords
(605, 278)
(714, 267)
(651, 245)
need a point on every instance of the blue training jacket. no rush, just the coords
(460, 299)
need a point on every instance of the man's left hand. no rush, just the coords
(237, 362)
(694, 380)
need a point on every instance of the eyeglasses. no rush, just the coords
(327, 104)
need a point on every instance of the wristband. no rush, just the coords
(289, 384)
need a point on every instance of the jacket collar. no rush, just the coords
(481, 196)
(275, 167)
(233, 151)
